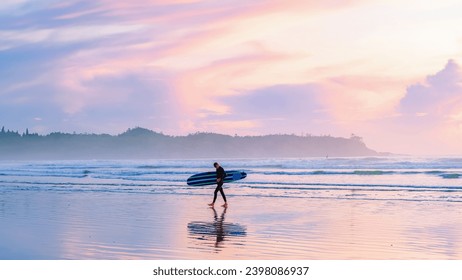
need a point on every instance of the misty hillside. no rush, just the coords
(140, 143)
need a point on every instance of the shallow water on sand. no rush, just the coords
(50, 225)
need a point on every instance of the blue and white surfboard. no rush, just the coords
(210, 178)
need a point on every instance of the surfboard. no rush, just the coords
(210, 178)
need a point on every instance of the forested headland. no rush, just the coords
(140, 143)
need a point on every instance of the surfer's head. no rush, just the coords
(216, 164)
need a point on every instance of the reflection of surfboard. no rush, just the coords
(225, 229)
(210, 178)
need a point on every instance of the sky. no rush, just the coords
(388, 71)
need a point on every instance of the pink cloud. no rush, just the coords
(198, 89)
(198, 24)
(430, 114)
(440, 95)
(424, 118)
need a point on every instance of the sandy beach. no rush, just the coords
(88, 225)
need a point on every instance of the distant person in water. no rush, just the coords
(221, 174)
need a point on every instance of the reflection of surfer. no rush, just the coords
(216, 231)
(221, 174)
(218, 224)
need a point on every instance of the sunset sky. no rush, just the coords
(389, 71)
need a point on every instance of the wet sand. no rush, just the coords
(89, 225)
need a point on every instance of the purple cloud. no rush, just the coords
(437, 96)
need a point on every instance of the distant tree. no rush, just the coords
(356, 137)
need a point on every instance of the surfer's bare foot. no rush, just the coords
(211, 204)
(225, 205)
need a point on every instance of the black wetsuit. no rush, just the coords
(221, 174)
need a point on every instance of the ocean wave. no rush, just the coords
(311, 194)
(160, 166)
(348, 172)
(450, 175)
(95, 173)
(181, 184)
(372, 172)
(330, 186)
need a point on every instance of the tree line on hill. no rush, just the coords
(141, 143)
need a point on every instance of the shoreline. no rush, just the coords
(86, 225)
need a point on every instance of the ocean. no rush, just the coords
(299, 208)
(362, 178)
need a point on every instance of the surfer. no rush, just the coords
(221, 174)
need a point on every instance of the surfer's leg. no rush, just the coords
(224, 198)
(223, 194)
(215, 195)
(220, 188)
